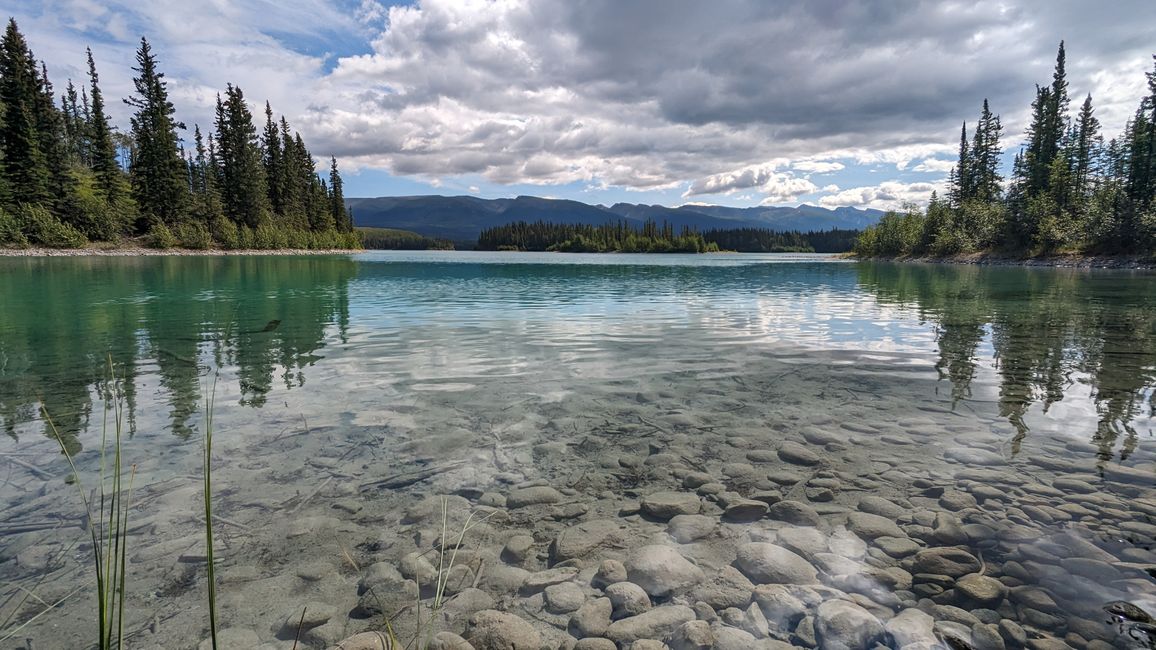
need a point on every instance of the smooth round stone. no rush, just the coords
(762, 456)
(1072, 485)
(689, 528)
(896, 547)
(665, 505)
(738, 470)
(805, 541)
(695, 635)
(870, 526)
(766, 563)
(657, 623)
(493, 629)
(843, 625)
(661, 570)
(591, 619)
(981, 589)
(694, 480)
(518, 548)
(564, 598)
(949, 561)
(729, 588)
(987, 492)
(794, 512)
(822, 437)
(530, 496)
(536, 582)
(628, 599)
(745, 510)
(955, 500)
(877, 505)
(609, 572)
(797, 454)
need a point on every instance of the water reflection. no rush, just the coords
(170, 320)
(1049, 334)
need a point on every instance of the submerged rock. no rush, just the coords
(843, 625)
(769, 563)
(661, 570)
(493, 630)
(655, 624)
(666, 505)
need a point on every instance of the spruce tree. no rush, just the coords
(341, 218)
(109, 178)
(295, 180)
(273, 160)
(960, 183)
(60, 183)
(1086, 142)
(158, 171)
(25, 167)
(244, 191)
(985, 154)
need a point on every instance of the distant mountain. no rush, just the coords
(461, 218)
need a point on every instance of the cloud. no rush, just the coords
(641, 95)
(888, 195)
(934, 165)
(818, 166)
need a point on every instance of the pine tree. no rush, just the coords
(273, 160)
(1085, 154)
(109, 178)
(341, 219)
(244, 191)
(959, 185)
(295, 180)
(158, 171)
(985, 154)
(25, 169)
(60, 183)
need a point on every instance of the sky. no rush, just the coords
(735, 102)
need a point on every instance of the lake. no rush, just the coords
(771, 444)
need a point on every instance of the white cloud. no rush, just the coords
(935, 165)
(888, 195)
(818, 166)
(605, 93)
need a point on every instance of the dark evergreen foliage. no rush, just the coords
(62, 182)
(1069, 192)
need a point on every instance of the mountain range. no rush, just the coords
(462, 218)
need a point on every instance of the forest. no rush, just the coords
(1069, 190)
(69, 177)
(400, 240)
(652, 237)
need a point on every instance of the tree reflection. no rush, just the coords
(167, 320)
(1051, 335)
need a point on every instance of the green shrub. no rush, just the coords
(40, 227)
(226, 234)
(298, 239)
(246, 240)
(159, 236)
(10, 234)
(192, 234)
(269, 237)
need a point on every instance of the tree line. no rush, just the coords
(68, 177)
(762, 240)
(1069, 190)
(401, 240)
(653, 237)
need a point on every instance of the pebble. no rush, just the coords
(766, 563)
(689, 528)
(530, 496)
(843, 625)
(948, 561)
(657, 623)
(662, 570)
(869, 526)
(794, 512)
(493, 630)
(795, 453)
(627, 599)
(665, 505)
(564, 598)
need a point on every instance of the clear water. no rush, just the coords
(494, 370)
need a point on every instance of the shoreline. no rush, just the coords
(1069, 261)
(165, 252)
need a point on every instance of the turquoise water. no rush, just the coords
(334, 372)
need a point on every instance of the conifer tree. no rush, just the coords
(109, 178)
(1086, 142)
(158, 171)
(959, 184)
(25, 168)
(273, 159)
(341, 218)
(244, 192)
(60, 183)
(985, 153)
